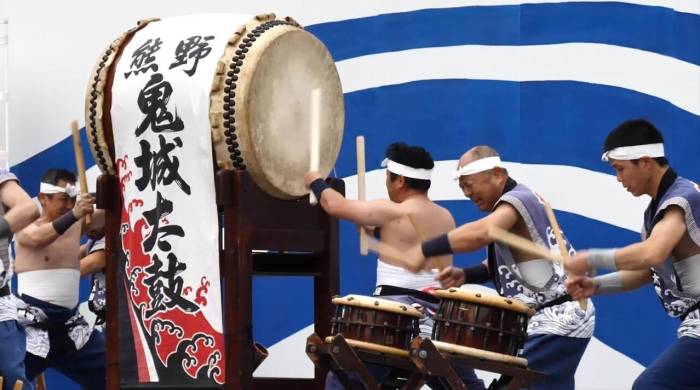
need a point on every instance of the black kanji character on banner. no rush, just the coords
(154, 217)
(195, 48)
(165, 286)
(142, 59)
(158, 167)
(153, 101)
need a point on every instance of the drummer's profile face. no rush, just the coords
(55, 205)
(632, 175)
(480, 189)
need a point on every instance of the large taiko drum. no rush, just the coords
(258, 100)
(370, 323)
(168, 103)
(481, 325)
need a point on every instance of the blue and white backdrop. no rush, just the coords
(543, 82)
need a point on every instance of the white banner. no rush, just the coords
(163, 147)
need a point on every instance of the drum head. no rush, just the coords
(493, 300)
(272, 111)
(377, 304)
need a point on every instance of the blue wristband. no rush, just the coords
(318, 186)
(437, 246)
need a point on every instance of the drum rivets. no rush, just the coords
(227, 90)
(478, 295)
(423, 354)
(226, 107)
(234, 144)
(236, 70)
(242, 56)
(453, 290)
(376, 303)
(227, 115)
(226, 99)
(336, 350)
(239, 52)
(351, 298)
(231, 149)
(230, 73)
(246, 40)
(233, 136)
(239, 63)
(249, 44)
(508, 301)
(233, 85)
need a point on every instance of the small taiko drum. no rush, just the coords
(255, 94)
(482, 325)
(369, 321)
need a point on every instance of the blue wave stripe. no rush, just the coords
(655, 29)
(550, 122)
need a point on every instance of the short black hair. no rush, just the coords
(635, 132)
(412, 156)
(54, 175)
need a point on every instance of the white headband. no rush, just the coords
(69, 190)
(405, 170)
(634, 152)
(478, 166)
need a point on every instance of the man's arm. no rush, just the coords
(474, 235)
(93, 262)
(651, 252)
(372, 213)
(657, 248)
(41, 235)
(466, 238)
(581, 287)
(22, 210)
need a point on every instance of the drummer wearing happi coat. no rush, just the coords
(668, 255)
(560, 330)
(408, 173)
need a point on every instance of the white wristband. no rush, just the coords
(602, 258)
(609, 283)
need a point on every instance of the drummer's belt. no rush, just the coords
(562, 299)
(696, 306)
(5, 291)
(386, 289)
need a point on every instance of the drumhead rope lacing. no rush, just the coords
(235, 65)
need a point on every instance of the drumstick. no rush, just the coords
(315, 130)
(80, 162)
(361, 196)
(523, 244)
(583, 303)
(422, 236)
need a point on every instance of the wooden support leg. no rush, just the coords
(430, 361)
(348, 361)
(415, 381)
(243, 334)
(40, 382)
(18, 385)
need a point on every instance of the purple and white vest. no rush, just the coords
(566, 319)
(685, 194)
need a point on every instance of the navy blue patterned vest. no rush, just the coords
(505, 273)
(674, 191)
